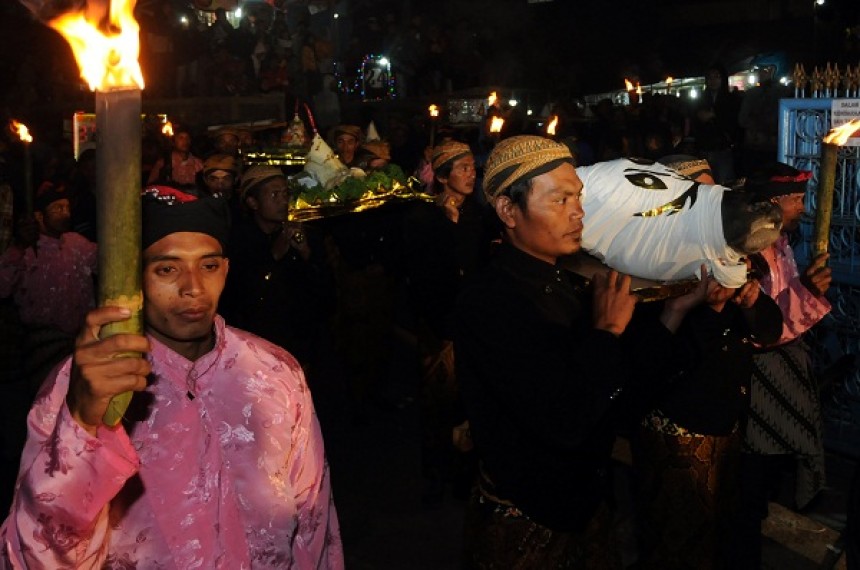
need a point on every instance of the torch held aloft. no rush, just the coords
(118, 184)
(824, 198)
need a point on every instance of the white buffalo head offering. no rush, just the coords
(647, 220)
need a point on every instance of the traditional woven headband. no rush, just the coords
(448, 152)
(516, 158)
(256, 175)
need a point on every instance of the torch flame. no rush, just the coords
(496, 124)
(167, 129)
(638, 89)
(669, 80)
(840, 135)
(491, 100)
(107, 60)
(628, 85)
(22, 131)
(434, 110)
(551, 126)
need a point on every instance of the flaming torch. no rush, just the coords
(630, 88)
(167, 129)
(26, 138)
(824, 209)
(106, 47)
(551, 126)
(496, 124)
(434, 114)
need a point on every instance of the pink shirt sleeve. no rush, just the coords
(317, 542)
(67, 479)
(11, 263)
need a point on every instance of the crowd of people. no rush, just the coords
(528, 370)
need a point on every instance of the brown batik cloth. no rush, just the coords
(688, 496)
(500, 537)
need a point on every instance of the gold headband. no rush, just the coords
(526, 153)
(448, 151)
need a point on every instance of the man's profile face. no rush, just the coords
(227, 144)
(346, 145)
(462, 177)
(56, 218)
(551, 224)
(792, 210)
(272, 201)
(182, 142)
(220, 182)
(183, 276)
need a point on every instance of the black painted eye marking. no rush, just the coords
(646, 180)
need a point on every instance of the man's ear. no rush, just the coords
(505, 210)
(40, 218)
(441, 180)
(252, 203)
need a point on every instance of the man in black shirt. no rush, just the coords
(541, 365)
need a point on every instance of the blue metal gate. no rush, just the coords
(803, 123)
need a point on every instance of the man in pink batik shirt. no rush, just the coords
(51, 278)
(219, 461)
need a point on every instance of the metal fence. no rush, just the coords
(803, 124)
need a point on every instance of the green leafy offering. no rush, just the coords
(353, 188)
(350, 189)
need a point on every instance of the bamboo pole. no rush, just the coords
(118, 182)
(824, 198)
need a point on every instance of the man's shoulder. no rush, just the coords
(257, 352)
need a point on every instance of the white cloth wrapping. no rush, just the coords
(663, 247)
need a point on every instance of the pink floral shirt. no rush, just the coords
(800, 308)
(184, 171)
(52, 286)
(224, 470)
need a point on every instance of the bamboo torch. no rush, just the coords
(824, 207)
(434, 115)
(26, 138)
(106, 47)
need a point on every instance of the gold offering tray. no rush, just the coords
(647, 289)
(277, 157)
(303, 209)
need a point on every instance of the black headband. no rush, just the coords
(167, 210)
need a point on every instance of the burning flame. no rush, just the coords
(669, 80)
(167, 129)
(628, 85)
(638, 89)
(491, 100)
(551, 126)
(496, 124)
(22, 131)
(434, 110)
(107, 60)
(840, 135)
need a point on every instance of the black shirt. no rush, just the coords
(541, 385)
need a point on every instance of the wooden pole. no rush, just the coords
(118, 185)
(824, 198)
(28, 180)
